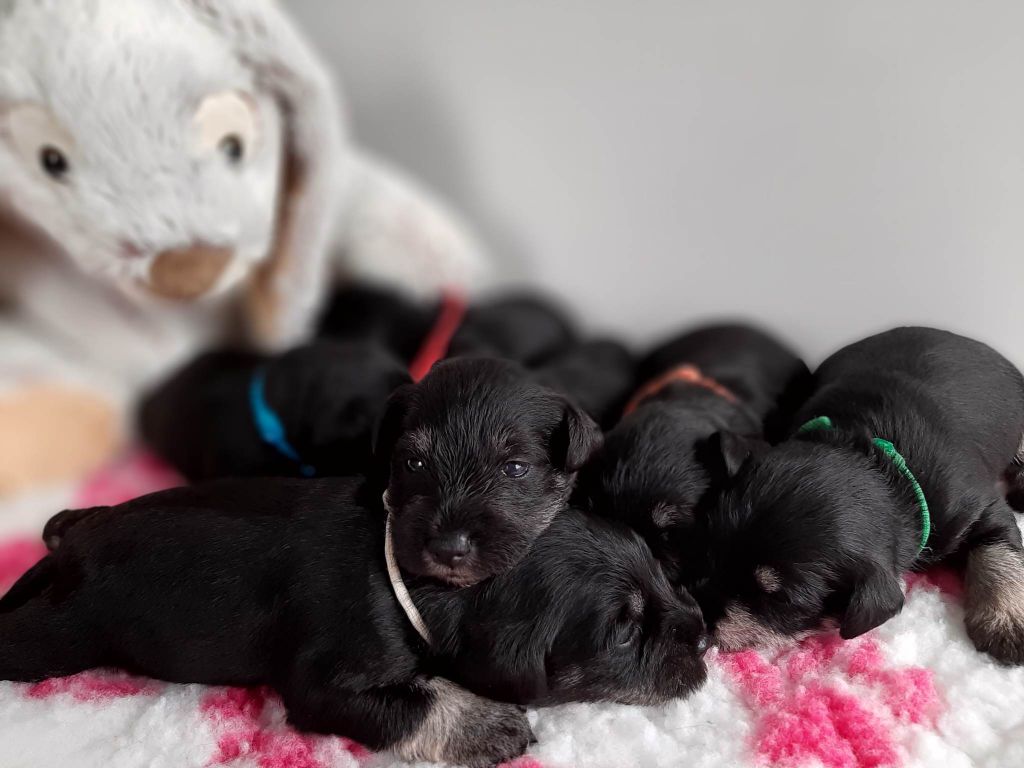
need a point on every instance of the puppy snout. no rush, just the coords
(450, 549)
(188, 273)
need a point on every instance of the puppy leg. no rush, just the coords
(427, 719)
(995, 587)
(39, 640)
(465, 729)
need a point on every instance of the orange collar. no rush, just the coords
(686, 373)
(435, 344)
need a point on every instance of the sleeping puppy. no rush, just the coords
(478, 460)
(654, 471)
(899, 466)
(596, 374)
(526, 329)
(361, 312)
(308, 411)
(286, 583)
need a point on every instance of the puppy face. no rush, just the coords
(652, 476)
(588, 616)
(799, 537)
(480, 459)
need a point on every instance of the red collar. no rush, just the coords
(435, 343)
(686, 373)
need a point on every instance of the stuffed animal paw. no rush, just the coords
(53, 433)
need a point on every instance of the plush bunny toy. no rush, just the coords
(173, 172)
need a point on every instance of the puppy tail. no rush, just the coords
(31, 584)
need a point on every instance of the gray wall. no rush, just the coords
(828, 167)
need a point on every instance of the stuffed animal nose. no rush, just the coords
(450, 548)
(188, 273)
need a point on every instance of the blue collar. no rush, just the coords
(269, 424)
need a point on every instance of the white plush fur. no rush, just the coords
(117, 85)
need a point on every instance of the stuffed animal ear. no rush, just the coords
(875, 599)
(284, 292)
(389, 428)
(576, 439)
(731, 450)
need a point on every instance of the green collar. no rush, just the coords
(824, 422)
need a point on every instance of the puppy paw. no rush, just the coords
(491, 736)
(1001, 636)
(995, 602)
(464, 729)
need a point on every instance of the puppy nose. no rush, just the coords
(450, 548)
(188, 273)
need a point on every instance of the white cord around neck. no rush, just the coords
(401, 591)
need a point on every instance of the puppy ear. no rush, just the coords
(576, 439)
(732, 450)
(875, 600)
(389, 428)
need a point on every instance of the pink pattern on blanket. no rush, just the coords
(831, 702)
(134, 474)
(94, 686)
(946, 580)
(250, 723)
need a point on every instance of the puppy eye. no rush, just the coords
(54, 162)
(515, 469)
(415, 465)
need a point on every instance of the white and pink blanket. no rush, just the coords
(912, 693)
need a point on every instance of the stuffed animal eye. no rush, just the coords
(515, 469)
(54, 162)
(39, 139)
(415, 465)
(233, 148)
(228, 123)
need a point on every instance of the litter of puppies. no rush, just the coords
(540, 519)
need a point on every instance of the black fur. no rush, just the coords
(369, 313)
(525, 329)
(283, 583)
(659, 464)
(829, 525)
(328, 396)
(449, 443)
(597, 375)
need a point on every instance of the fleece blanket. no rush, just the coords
(911, 693)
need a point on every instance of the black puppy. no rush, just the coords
(597, 375)
(479, 460)
(899, 466)
(286, 583)
(310, 410)
(657, 466)
(526, 329)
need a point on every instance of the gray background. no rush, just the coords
(827, 167)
